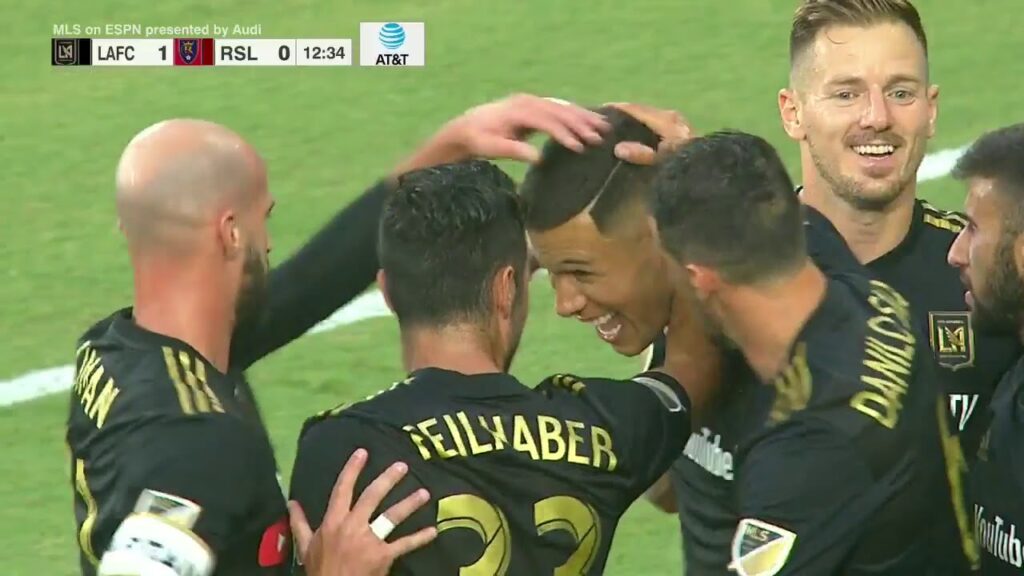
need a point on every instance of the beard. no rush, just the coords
(1001, 310)
(712, 325)
(853, 192)
(252, 295)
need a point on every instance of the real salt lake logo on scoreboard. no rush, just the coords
(392, 44)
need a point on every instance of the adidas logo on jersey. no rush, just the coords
(706, 451)
(998, 538)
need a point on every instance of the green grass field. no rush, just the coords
(326, 133)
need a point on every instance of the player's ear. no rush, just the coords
(230, 235)
(382, 283)
(503, 291)
(704, 280)
(933, 108)
(789, 111)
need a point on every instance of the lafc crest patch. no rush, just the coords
(759, 548)
(952, 338)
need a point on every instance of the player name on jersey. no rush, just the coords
(540, 436)
(201, 52)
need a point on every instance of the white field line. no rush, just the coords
(43, 382)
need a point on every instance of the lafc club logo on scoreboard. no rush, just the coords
(952, 338)
(65, 51)
(759, 548)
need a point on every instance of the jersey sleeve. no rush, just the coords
(188, 481)
(803, 497)
(335, 266)
(650, 414)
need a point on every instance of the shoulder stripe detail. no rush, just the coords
(184, 398)
(214, 401)
(793, 387)
(943, 219)
(202, 400)
(943, 223)
(203, 393)
(330, 412)
(189, 377)
(82, 348)
(568, 382)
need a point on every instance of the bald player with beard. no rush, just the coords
(172, 467)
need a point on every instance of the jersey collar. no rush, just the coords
(486, 385)
(124, 327)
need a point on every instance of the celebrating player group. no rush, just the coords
(832, 384)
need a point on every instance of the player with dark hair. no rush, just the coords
(586, 217)
(171, 464)
(521, 480)
(860, 104)
(842, 432)
(988, 254)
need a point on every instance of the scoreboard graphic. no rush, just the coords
(201, 52)
(388, 44)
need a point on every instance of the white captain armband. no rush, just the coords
(668, 397)
(157, 540)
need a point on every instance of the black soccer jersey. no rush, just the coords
(997, 480)
(918, 270)
(848, 465)
(971, 363)
(841, 465)
(522, 481)
(703, 478)
(148, 413)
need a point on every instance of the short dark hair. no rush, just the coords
(564, 183)
(999, 155)
(813, 16)
(725, 200)
(444, 233)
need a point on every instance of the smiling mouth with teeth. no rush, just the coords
(874, 149)
(607, 326)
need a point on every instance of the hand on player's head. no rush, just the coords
(498, 130)
(669, 125)
(345, 543)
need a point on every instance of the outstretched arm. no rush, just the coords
(340, 261)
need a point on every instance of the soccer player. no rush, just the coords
(988, 253)
(861, 105)
(521, 480)
(843, 437)
(171, 464)
(862, 108)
